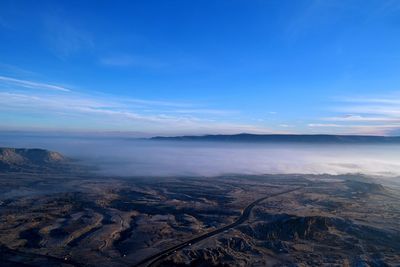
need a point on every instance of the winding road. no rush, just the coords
(151, 260)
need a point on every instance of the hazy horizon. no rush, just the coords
(124, 157)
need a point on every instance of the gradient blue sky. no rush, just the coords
(195, 67)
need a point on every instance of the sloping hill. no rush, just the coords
(19, 159)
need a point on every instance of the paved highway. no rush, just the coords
(152, 260)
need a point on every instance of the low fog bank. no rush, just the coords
(125, 157)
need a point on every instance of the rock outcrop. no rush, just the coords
(16, 159)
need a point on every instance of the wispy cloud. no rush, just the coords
(364, 115)
(359, 118)
(157, 103)
(65, 38)
(110, 113)
(368, 108)
(8, 68)
(207, 111)
(309, 17)
(127, 60)
(393, 100)
(380, 129)
(325, 125)
(32, 84)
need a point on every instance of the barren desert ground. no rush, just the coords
(61, 215)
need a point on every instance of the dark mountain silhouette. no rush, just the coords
(283, 138)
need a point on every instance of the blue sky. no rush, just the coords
(196, 67)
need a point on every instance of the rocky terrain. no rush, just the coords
(21, 159)
(50, 217)
(343, 223)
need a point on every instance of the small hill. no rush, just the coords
(17, 159)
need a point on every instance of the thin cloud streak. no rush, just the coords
(365, 115)
(131, 61)
(355, 129)
(8, 68)
(33, 85)
(157, 103)
(355, 126)
(390, 111)
(207, 111)
(358, 118)
(113, 115)
(64, 38)
(374, 100)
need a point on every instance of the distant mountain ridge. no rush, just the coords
(285, 138)
(15, 159)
